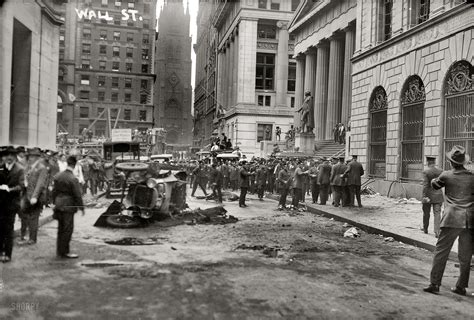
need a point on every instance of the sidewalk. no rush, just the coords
(382, 215)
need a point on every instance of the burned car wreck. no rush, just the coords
(149, 192)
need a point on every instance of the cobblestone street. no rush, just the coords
(269, 265)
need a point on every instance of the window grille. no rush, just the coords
(378, 133)
(413, 104)
(459, 109)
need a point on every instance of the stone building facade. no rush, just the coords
(106, 71)
(29, 33)
(205, 101)
(324, 34)
(256, 71)
(412, 88)
(173, 91)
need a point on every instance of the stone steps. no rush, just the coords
(328, 148)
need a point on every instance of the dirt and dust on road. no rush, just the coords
(268, 265)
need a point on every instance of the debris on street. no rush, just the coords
(132, 241)
(271, 252)
(389, 239)
(352, 233)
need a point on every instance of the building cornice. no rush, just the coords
(295, 24)
(54, 16)
(420, 36)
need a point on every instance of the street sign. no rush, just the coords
(124, 135)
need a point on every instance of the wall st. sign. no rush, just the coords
(87, 13)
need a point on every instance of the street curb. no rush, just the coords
(42, 221)
(370, 229)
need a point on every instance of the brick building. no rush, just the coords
(106, 71)
(29, 33)
(412, 87)
(256, 72)
(173, 91)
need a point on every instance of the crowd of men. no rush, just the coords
(319, 178)
(31, 179)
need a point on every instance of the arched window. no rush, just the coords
(459, 108)
(378, 132)
(413, 105)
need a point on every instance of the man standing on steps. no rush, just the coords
(431, 197)
(67, 197)
(457, 221)
(353, 173)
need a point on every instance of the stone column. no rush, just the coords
(347, 82)
(336, 69)
(299, 89)
(231, 69)
(227, 77)
(282, 65)
(321, 89)
(220, 78)
(235, 67)
(247, 61)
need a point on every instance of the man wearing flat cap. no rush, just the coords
(338, 182)
(34, 197)
(12, 181)
(431, 197)
(457, 221)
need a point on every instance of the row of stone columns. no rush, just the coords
(325, 71)
(227, 71)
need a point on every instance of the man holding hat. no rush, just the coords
(457, 221)
(12, 181)
(34, 198)
(431, 197)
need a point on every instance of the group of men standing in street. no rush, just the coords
(297, 177)
(29, 181)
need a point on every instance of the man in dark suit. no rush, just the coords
(244, 183)
(12, 183)
(338, 182)
(324, 177)
(34, 197)
(67, 197)
(353, 173)
(431, 197)
(298, 180)
(313, 180)
(457, 221)
(216, 180)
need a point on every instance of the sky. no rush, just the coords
(193, 10)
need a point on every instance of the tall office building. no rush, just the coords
(173, 91)
(106, 71)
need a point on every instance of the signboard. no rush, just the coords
(124, 135)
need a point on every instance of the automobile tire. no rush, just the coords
(123, 221)
(132, 166)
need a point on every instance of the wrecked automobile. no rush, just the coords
(148, 193)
